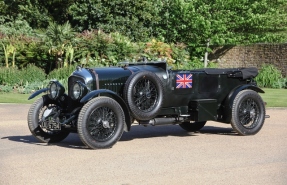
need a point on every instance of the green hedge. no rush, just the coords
(270, 76)
(61, 73)
(15, 77)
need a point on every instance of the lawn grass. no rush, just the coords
(273, 97)
(15, 98)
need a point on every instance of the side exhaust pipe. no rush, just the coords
(161, 121)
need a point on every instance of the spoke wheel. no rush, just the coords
(42, 112)
(248, 113)
(143, 93)
(101, 123)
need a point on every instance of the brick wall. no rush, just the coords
(252, 56)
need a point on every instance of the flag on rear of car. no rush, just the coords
(183, 80)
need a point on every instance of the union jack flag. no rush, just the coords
(183, 81)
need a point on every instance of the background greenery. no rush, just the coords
(52, 34)
(275, 97)
(43, 40)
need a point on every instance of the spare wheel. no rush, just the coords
(144, 94)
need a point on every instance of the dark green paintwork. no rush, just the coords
(208, 99)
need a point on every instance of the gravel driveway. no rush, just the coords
(146, 155)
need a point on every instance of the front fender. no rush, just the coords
(105, 92)
(37, 93)
(96, 93)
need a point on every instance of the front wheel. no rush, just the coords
(248, 113)
(101, 123)
(42, 113)
(192, 127)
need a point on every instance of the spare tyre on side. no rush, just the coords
(143, 93)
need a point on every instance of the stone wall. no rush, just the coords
(252, 56)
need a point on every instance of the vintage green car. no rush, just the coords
(101, 103)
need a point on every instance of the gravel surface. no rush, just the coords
(146, 155)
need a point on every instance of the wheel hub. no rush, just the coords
(148, 95)
(106, 124)
(252, 114)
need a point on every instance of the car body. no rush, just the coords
(101, 103)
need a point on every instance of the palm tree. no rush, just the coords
(57, 38)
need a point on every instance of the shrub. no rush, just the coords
(29, 88)
(6, 88)
(269, 76)
(31, 73)
(280, 84)
(9, 76)
(98, 48)
(196, 63)
(61, 73)
(14, 76)
(64, 82)
(175, 55)
(157, 50)
(15, 26)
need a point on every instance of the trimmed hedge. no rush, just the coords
(16, 77)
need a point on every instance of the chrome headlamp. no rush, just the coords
(55, 90)
(79, 90)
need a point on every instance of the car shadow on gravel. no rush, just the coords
(141, 132)
(137, 132)
(72, 141)
(22, 139)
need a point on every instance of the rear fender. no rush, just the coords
(105, 92)
(236, 90)
(227, 105)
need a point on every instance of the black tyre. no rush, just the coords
(248, 113)
(144, 94)
(36, 118)
(101, 123)
(192, 126)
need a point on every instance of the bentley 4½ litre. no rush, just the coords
(101, 103)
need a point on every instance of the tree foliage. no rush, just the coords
(171, 23)
(188, 21)
(133, 18)
(224, 21)
(37, 12)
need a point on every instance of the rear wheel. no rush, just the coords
(248, 113)
(101, 123)
(192, 126)
(43, 121)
